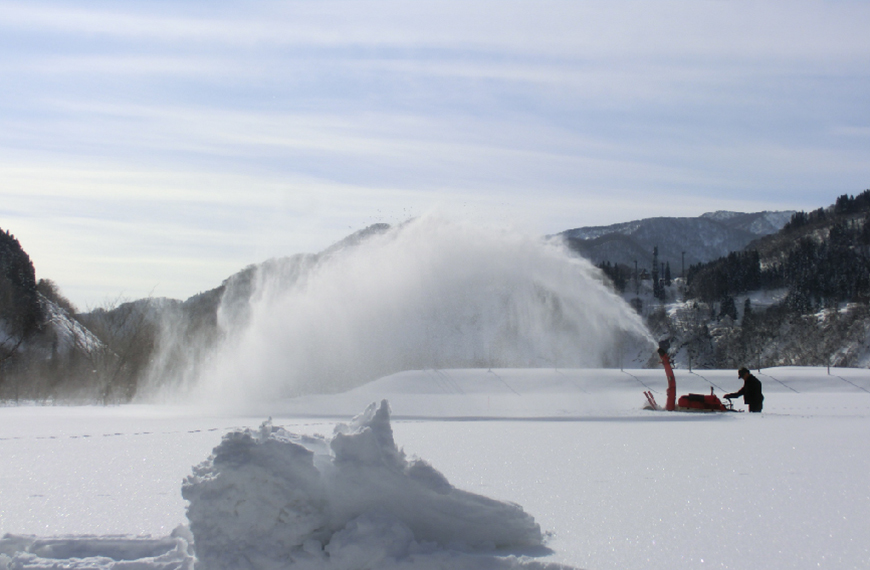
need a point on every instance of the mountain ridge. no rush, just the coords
(681, 241)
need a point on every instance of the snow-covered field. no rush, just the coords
(612, 486)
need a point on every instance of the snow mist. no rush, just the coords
(429, 293)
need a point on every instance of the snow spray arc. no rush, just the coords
(429, 293)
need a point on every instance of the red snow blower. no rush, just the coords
(687, 402)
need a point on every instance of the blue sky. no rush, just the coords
(158, 147)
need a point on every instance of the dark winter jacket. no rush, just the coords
(751, 393)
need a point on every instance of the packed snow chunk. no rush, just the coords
(268, 498)
(258, 498)
(369, 472)
(370, 540)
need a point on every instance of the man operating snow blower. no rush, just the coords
(751, 391)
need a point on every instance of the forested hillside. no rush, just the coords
(821, 258)
(46, 352)
(800, 296)
(20, 313)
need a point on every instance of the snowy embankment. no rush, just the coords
(609, 485)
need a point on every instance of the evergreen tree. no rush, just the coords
(618, 275)
(728, 308)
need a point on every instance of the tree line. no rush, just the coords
(825, 259)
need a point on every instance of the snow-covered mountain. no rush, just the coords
(758, 223)
(701, 239)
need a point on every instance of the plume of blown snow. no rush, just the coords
(430, 293)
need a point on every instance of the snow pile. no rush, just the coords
(268, 498)
(97, 552)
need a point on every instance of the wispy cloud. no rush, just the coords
(225, 132)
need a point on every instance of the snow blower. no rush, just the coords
(687, 402)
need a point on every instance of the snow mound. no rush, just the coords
(266, 499)
(97, 552)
